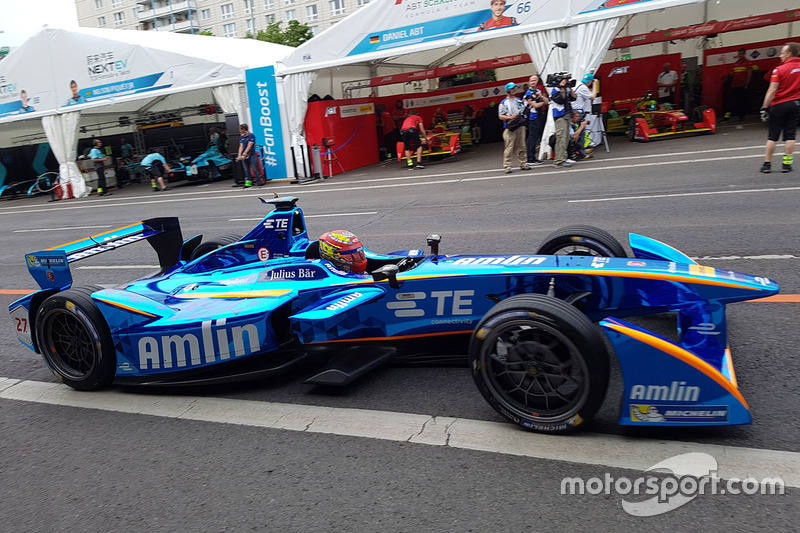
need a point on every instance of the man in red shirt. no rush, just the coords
(386, 128)
(741, 73)
(497, 20)
(409, 131)
(782, 106)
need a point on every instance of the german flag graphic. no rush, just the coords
(375, 39)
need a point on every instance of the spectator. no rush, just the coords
(514, 141)
(667, 80)
(410, 132)
(155, 165)
(782, 106)
(99, 158)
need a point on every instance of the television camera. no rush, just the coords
(555, 79)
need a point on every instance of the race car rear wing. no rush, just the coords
(50, 267)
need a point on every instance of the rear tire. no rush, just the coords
(581, 240)
(540, 363)
(209, 246)
(75, 340)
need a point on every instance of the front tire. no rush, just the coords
(540, 363)
(581, 240)
(75, 339)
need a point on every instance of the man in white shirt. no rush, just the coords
(514, 141)
(667, 80)
(585, 95)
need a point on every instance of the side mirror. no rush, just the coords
(387, 272)
(433, 241)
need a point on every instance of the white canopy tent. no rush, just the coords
(391, 36)
(74, 78)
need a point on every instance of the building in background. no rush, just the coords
(224, 18)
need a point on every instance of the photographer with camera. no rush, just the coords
(537, 100)
(561, 99)
(514, 115)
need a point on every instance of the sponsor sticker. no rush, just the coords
(702, 414)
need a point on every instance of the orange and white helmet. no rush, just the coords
(344, 250)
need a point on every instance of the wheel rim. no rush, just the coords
(535, 371)
(585, 247)
(69, 344)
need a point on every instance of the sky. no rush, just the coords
(20, 19)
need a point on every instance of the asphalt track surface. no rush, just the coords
(68, 466)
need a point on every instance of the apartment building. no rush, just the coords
(227, 18)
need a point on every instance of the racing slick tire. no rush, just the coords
(540, 363)
(581, 240)
(209, 246)
(697, 114)
(75, 340)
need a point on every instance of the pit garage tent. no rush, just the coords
(92, 78)
(391, 36)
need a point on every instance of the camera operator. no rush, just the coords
(561, 99)
(537, 99)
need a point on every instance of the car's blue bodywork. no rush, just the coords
(267, 302)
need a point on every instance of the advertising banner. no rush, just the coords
(77, 70)
(385, 25)
(265, 118)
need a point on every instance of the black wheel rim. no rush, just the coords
(586, 247)
(69, 344)
(535, 371)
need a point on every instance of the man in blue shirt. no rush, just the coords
(155, 164)
(99, 158)
(75, 98)
(537, 100)
(247, 155)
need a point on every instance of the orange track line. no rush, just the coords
(779, 298)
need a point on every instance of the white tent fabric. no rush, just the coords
(587, 46)
(229, 97)
(297, 88)
(62, 134)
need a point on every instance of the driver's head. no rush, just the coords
(343, 249)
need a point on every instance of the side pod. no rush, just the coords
(667, 385)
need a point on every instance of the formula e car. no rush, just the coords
(438, 143)
(233, 308)
(642, 119)
(209, 166)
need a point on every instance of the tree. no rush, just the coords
(294, 35)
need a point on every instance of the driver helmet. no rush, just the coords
(344, 250)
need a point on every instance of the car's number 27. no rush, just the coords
(22, 324)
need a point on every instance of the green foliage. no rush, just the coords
(206, 32)
(294, 35)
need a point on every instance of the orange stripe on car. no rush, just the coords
(126, 307)
(682, 354)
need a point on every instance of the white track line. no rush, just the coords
(495, 437)
(677, 195)
(407, 181)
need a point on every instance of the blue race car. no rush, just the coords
(235, 308)
(208, 166)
